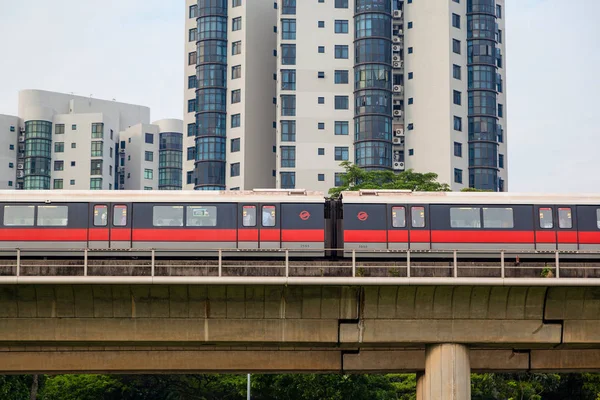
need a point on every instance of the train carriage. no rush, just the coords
(205, 221)
(402, 220)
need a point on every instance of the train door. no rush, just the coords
(545, 228)
(420, 227)
(109, 226)
(259, 226)
(588, 227)
(566, 236)
(397, 228)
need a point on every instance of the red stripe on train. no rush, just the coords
(479, 236)
(567, 237)
(98, 234)
(545, 236)
(183, 235)
(120, 234)
(303, 235)
(270, 235)
(43, 234)
(248, 235)
(589, 237)
(365, 236)
(420, 236)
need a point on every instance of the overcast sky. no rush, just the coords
(132, 51)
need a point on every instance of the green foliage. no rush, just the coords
(14, 387)
(82, 387)
(356, 178)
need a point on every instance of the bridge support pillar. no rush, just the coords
(447, 373)
(420, 386)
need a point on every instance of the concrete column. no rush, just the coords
(420, 386)
(447, 372)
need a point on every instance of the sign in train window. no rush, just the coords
(167, 215)
(120, 215)
(249, 216)
(598, 217)
(201, 216)
(565, 218)
(398, 217)
(100, 215)
(268, 216)
(546, 220)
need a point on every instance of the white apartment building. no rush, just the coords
(230, 95)
(385, 84)
(62, 141)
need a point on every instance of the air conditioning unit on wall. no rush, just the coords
(398, 166)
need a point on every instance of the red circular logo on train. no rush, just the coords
(362, 216)
(304, 215)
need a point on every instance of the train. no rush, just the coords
(305, 223)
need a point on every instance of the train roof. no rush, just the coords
(409, 197)
(162, 196)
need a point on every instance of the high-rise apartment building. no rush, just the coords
(385, 84)
(230, 79)
(61, 141)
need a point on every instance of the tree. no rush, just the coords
(356, 178)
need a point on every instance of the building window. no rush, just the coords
(341, 76)
(59, 147)
(457, 97)
(288, 54)
(288, 79)
(456, 46)
(341, 102)
(236, 120)
(321, 100)
(236, 24)
(288, 7)
(458, 178)
(457, 123)
(411, 152)
(235, 145)
(96, 184)
(73, 127)
(59, 165)
(456, 21)
(235, 169)
(339, 181)
(192, 106)
(59, 129)
(288, 156)
(236, 3)
(321, 49)
(341, 154)
(194, 11)
(191, 130)
(341, 3)
(97, 131)
(288, 131)
(236, 48)
(191, 153)
(148, 173)
(341, 51)
(192, 58)
(321, 24)
(500, 110)
(288, 29)
(341, 128)
(12, 128)
(192, 35)
(97, 149)
(11, 146)
(236, 72)
(288, 105)
(288, 180)
(498, 11)
(72, 182)
(321, 151)
(192, 82)
(236, 96)
(410, 75)
(189, 177)
(341, 26)
(321, 125)
(149, 138)
(321, 177)
(457, 149)
(58, 184)
(501, 160)
(96, 167)
(73, 145)
(456, 72)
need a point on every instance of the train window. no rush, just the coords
(598, 217)
(53, 216)
(565, 218)
(268, 216)
(100, 215)
(120, 215)
(249, 216)
(546, 221)
(398, 217)
(167, 215)
(18, 215)
(418, 217)
(201, 216)
(498, 218)
(465, 217)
